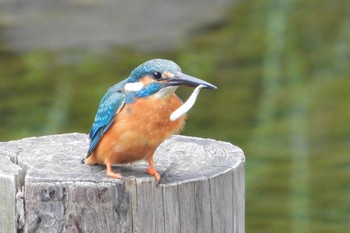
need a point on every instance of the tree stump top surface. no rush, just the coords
(44, 187)
(56, 158)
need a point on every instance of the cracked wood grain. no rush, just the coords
(201, 190)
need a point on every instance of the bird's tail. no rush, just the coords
(90, 160)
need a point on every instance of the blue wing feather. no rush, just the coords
(110, 105)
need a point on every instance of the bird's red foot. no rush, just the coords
(110, 173)
(152, 171)
(114, 175)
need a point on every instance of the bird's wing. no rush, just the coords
(110, 105)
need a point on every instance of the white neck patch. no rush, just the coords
(133, 86)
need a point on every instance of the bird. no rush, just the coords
(133, 117)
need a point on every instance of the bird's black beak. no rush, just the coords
(181, 79)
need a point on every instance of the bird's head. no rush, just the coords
(160, 77)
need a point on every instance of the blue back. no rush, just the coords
(110, 105)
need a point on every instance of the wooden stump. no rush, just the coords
(45, 188)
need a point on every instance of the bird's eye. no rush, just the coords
(157, 75)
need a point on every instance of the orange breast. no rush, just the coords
(138, 130)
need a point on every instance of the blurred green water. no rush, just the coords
(283, 70)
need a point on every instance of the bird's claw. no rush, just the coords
(154, 173)
(114, 175)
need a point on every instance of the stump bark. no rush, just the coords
(45, 188)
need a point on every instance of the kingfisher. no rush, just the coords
(137, 114)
